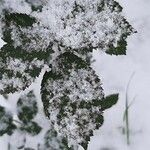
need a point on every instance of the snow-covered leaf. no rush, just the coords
(16, 73)
(81, 25)
(32, 128)
(6, 122)
(53, 141)
(58, 26)
(69, 91)
(27, 107)
(23, 57)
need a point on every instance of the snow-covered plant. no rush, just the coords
(6, 122)
(60, 34)
(26, 111)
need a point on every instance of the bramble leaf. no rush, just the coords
(109, 101)
(32, 128)
(23, 56)
(27, 107)
(6, 122)
(53, 141)
(68, 92)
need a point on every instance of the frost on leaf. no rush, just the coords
(27, 107)
(32, 128)
(87, 24)
(70, 92)
(37, 31)
(53, 141)
(6, 122)
(27, 128)
(25, 53)
(27, 110)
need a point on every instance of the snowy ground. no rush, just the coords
(115, 72)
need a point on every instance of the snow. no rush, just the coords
(80, 85)
(1, 43)
(85, 90)
(82, 28)
(10, 103)
(18, 6)
(72, 24)
(115, 72)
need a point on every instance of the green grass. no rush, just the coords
(126, 112)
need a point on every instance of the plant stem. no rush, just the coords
(127, 125)
(8, 146)
(127, 111)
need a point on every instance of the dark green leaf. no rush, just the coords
(109, 101)
(120, 49)
(19, 19)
